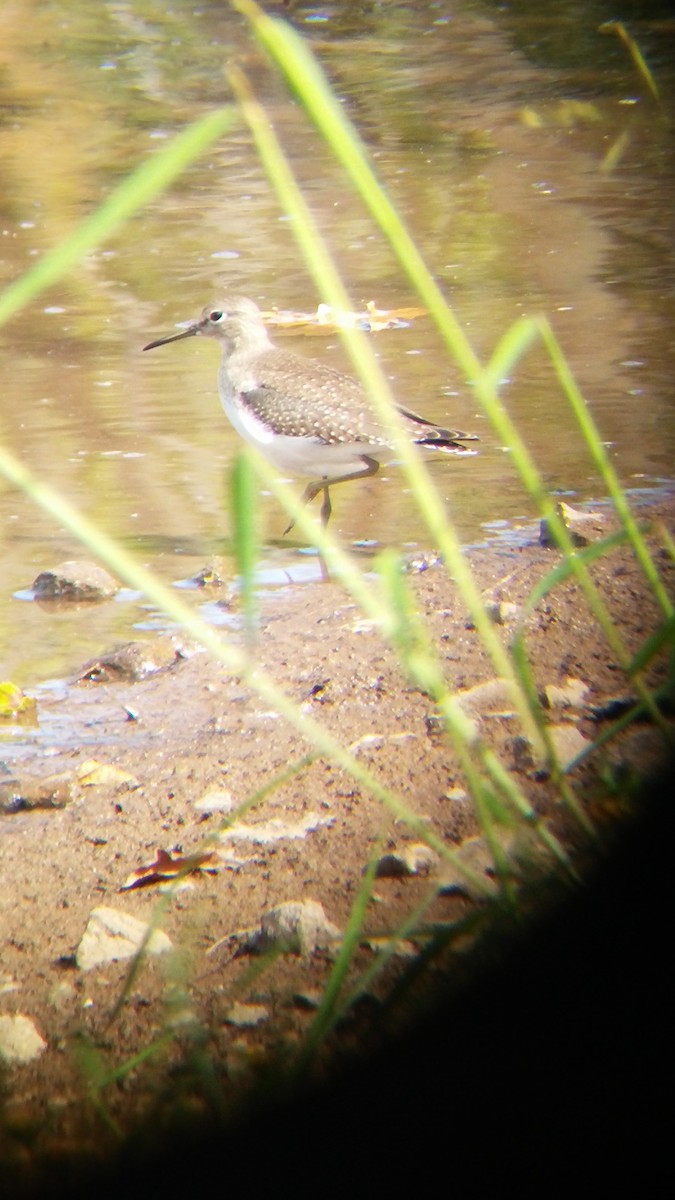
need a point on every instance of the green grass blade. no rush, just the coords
(243, 497)
(293, 57)
(326, 1013)
(290, 53)
(323, 269)
(601, 460)
(510, 348)
(125, 567)
(635, 52)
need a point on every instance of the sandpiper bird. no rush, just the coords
(306, 418)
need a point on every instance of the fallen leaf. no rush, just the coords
(95, 774)
(13, 702)
(166, 867)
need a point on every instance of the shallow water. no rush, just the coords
(489, 128)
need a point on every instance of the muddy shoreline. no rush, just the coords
(198, 739)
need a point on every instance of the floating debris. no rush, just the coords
(371, 319)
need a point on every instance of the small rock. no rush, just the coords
(246, 1016)
(612, 707)
(527, 852)
(416, 859)
(309, 1000)
(25, 793)
(523, 754)
(568, 743)
(112, 935)
(419, 563)
(20, 1041)
(211, 576)
(75, 580)
(300, 927)
(435, 725)
(572, 694)
(458, 795)
(62, 995)
(397, 947)
(503, 612)
(500, 612)
(132, 661)
(215, 800)
(582, 527)
(493, 698)
(267, 832)
(474, 854)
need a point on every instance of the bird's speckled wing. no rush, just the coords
(304, 398)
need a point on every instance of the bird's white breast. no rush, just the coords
(304, 456)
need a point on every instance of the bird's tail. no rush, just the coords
(449, 441)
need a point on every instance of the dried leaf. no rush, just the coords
(13, 702)
(167, 867)
(96, 774)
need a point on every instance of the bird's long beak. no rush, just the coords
(176, 337)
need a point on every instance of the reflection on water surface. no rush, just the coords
(489, 134)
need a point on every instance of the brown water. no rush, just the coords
(488, 127)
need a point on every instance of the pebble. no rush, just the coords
(246, 1016)
(75, 580)
(20, 1041)
(298, 926)
(572, 694)
(582, 527)
(25, 793)
(416, 859)
(112, 935)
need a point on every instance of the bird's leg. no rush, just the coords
(326, 507)
(308, 495)
(370, 467)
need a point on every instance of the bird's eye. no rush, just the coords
(215, 317)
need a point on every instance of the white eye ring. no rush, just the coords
(216, 317)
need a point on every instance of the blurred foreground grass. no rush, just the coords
(384, 596)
